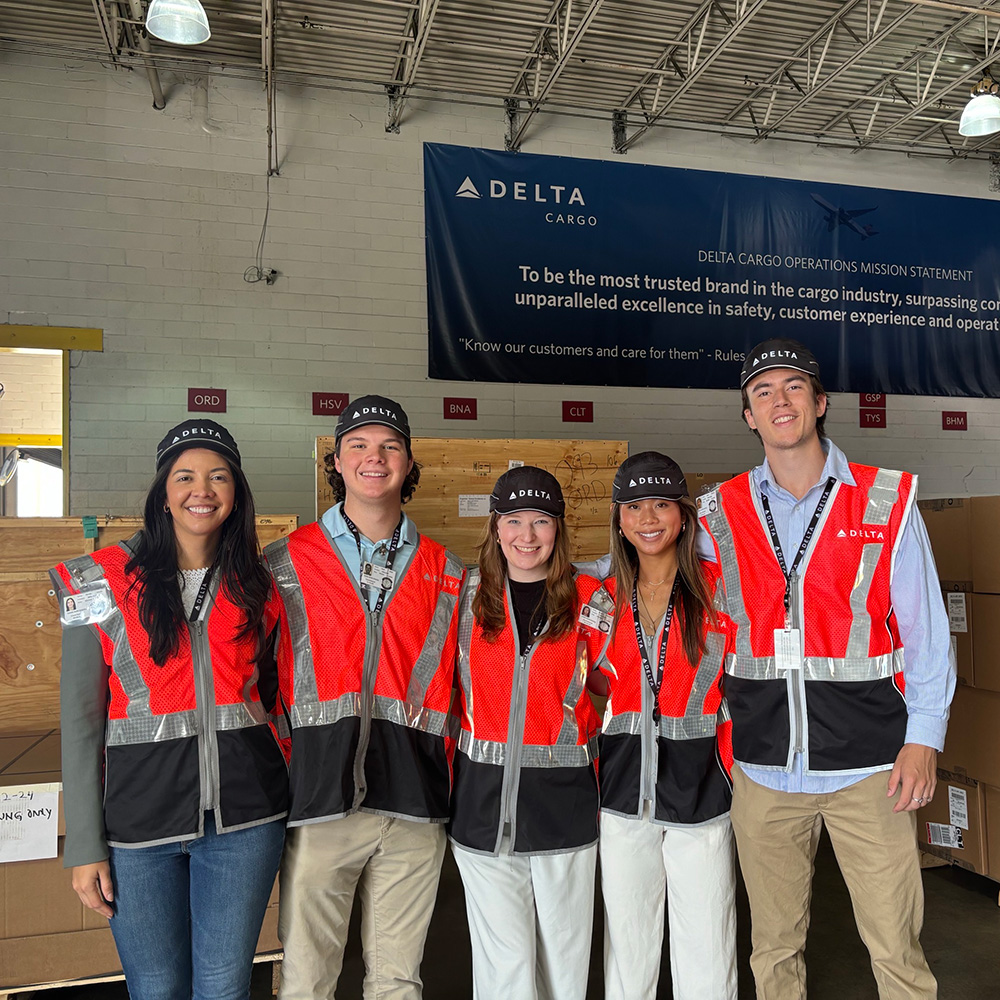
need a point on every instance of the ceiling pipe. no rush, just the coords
(139, 29)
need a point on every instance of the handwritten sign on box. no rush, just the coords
(29, 817)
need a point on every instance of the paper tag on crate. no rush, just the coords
(29, 820)
(958, 616)
(958, 807)
(943, 835)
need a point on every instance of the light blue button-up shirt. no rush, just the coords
(928, 664)
(374, 552)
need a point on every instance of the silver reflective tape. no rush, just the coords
(707, 672)
(466, 621)
(325, 713)
(721, 531)
(689, 727)
(859, 639)
(818, 668)
(495, 752)
(429, 661)
(152, 729)
(125, 667)
(882, 496)
(241, 716)
(624, 724)
(412, 716)
(84, 569)
(304, 692)
(570, 729)
(723, 714)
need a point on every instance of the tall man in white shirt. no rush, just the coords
(840, 687)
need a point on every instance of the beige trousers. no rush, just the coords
(394, 864)
(777, 834)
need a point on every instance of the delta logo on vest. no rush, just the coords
(449, 584)
(201, 432)
(651, 481)
(774, 354)
(374, 411)
(869, 533)
(520, 494)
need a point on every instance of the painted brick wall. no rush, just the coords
(32, 399)
(143, 222)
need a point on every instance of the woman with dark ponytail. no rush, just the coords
(666, 750)
(175, 786)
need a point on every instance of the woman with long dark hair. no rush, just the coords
(666, 751)
(175, 786)
(525, 801)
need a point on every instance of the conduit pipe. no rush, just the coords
(139, 30)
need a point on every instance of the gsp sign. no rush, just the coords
(206, 400)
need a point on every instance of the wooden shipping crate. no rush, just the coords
(457, 475)
(30, 636)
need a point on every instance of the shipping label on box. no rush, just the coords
(958, 807)
(943, 835)
(29, 819)
(958, 617)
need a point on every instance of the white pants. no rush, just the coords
(695, 865)
(531, 920)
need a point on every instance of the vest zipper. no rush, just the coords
(647, 743)
(515, 741)
(373, 647)
(204, 689)
(798, 676)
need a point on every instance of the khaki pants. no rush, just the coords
(395, 865)
(777, 834)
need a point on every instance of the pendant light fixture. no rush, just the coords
(182, 22)
(982, 114)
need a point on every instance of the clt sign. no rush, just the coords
(206, 400)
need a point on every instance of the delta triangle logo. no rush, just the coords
(513, 496)
(467, 189)
(841, 533)
(632, 482)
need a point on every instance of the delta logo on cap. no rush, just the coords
(201, 432)
(367, 411)
(520, 494)
(651, 481)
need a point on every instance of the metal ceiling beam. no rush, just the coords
(135, 8)
(873, 43)
(747, 12)
(408, 56)
(566, 46)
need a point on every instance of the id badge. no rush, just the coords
(595, 618)
(787, 649)
(379, 577)
(90, 606)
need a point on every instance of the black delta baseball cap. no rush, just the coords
(527, 488)
(197, 434)
(373, 410)
(778, 353)
(646, 476)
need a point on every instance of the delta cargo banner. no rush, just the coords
(586, 272)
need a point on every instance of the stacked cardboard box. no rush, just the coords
(962, 824)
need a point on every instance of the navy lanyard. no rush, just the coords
(806, 538)
(393, 545)
(655, 682)
(202, 594)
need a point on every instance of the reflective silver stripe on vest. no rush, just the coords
(569, 732)
(306, 696)
(241, 716)
(495, 752)
(466, 623)
(429, 661)
(882, 496)
(721, 531)
(325, 713)
(412, 716)
(705, 675)
(859, 640)
(687, 727)
(723, 713)
(152, 729)
(821, 668)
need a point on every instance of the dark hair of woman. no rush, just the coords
(694, 600)
(238, 567)
(560, 590)
(336, 480)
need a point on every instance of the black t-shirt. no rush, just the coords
(529, 609)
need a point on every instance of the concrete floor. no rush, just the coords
(961, 938)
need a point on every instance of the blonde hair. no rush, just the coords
(560, 590)
(694, 601)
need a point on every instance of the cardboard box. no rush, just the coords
(961, 612)
(949, 525)
(972, 748)
(986, 641)
(991, 803)
(953, 826)
(986, 550)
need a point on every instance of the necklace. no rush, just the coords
(646, 615)
(654, 586)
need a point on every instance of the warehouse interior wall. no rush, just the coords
(142, 223)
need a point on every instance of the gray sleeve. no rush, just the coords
(83, 693)
(600, 568)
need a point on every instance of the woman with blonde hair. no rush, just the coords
(525, 800)
(666, 750)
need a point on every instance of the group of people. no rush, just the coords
(772, 656)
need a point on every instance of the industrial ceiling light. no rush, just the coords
(182, 22)
(982, 114)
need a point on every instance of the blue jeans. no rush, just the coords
(188, 914)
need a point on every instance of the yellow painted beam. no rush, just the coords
(31, 440)
(52, 338)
